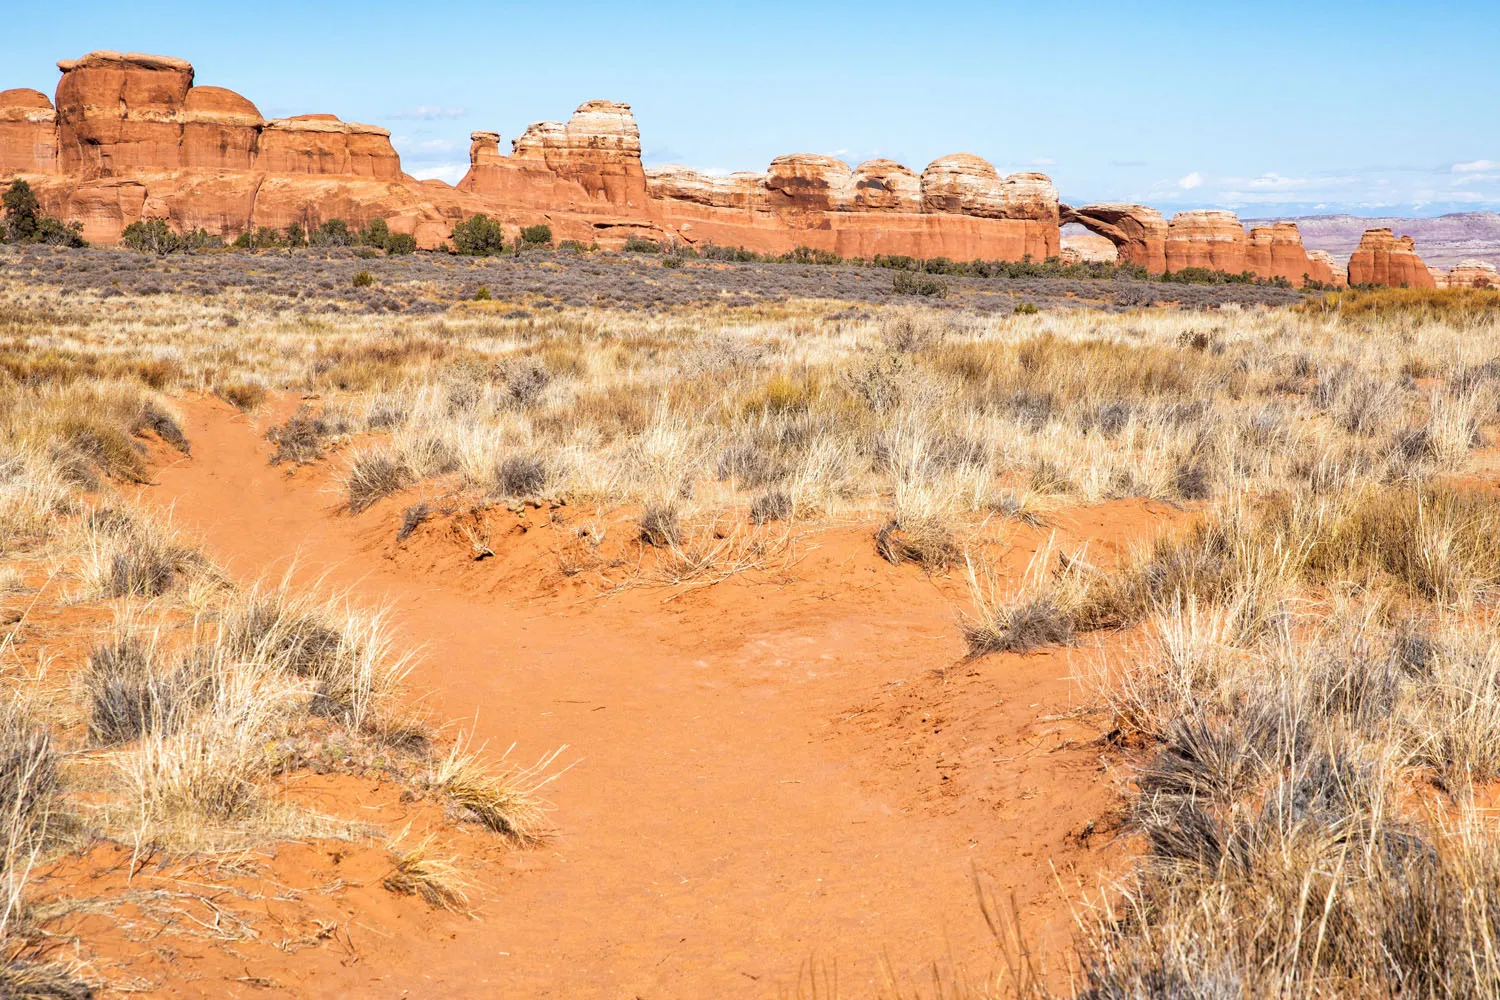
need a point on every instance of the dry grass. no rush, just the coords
(418, 870)
(504, 797)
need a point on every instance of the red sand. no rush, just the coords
(766, 774)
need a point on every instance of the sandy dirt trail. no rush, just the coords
(759, 769)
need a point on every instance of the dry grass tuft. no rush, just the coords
(418, 871)
(505, 799)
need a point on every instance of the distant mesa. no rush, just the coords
(131, 136)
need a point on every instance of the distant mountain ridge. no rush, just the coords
(1442, 241)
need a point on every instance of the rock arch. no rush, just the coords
(1139, 233)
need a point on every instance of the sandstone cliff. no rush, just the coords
(1471, 274)
(131, 136)
(1382, 258)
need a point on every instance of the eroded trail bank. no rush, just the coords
(763, 773)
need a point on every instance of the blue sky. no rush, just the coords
(1267, 108)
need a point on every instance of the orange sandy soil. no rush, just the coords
(794, 767)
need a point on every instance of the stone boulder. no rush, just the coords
(1382, 258)
(118, 113)
(806, 182)
(965, 184)
(1276, 251)
(28, 133)
(886, 186)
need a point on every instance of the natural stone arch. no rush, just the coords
(1138, 232)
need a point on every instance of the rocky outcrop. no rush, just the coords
(1471, 274)
(131, 136)
(1276, 251)
(118, 113)
(599, 149)
(965, 184)
(1209, 238)
(323, 146)
(28, 133)
(1139, 233)
(886, 186)
(1382, 258)
(806, 182)
(1337, 275)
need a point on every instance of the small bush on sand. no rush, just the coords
(521, 476)
(373, 476)
(660, 525)
(773, 505)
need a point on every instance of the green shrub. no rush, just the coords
(400, 243)
(24, 222)
(483, 295)
(364, 279)
(537, 235)
(1025, 309)
(376, 234)
(154, 236)
(479, 236)
(907, 283)
(671, 260)
(296, 235)
(332, 233)
(638, 244)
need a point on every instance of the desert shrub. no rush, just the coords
(538, 235)
(296, 235)
(483, 294)
(24, 222)
(133, 557)
(375, 234)
(639, 244)
(660, 525)
(772, 505)
(130, 694)
(414, 517)
(303, 437)
(374, 475)
(243, 395)
(906, 283)
(398, 244)
(923, 539)
(1025, 309)
(363, 279)
(478, 236)
(521, 476)
(29, 783)
(332, 233)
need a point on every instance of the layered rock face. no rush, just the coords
(131, 137)
(28, 133)
(1276, 251)
(1382, 258)
(1338, 275)
(1471, 274)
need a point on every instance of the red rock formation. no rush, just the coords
(1276, 251)
(1471, 274)
(28, 133)
(806, 182)
(1209, 238)
(964, 184)
(1138, 232)
(119, 113)
(1384, 259)
(1321, 260)
(220, 130)
(886, 186)
(131, 137)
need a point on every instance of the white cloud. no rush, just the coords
(1042, 161)
(1192, 180)
(450, 173)
(428, 113)
(1477, 167)
(1274, 181)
